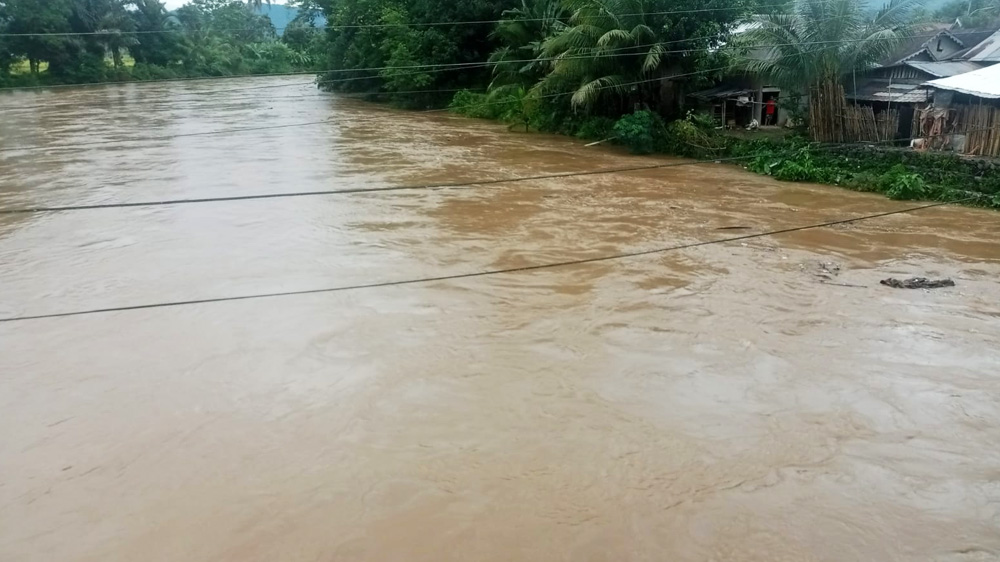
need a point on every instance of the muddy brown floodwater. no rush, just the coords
(721, 403)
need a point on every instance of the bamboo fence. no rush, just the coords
(827, 106)
(862, 124)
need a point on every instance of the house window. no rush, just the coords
(939, 49)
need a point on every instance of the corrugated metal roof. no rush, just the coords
(922, 44)
(725, 91)
(986, 51)
(982, 83)
(910, 46)
(881, 90)
(944, 69)
(972, 37)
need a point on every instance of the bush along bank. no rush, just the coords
(894, 172)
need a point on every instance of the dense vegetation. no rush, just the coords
(617, 70)
(80, 41)
(895, 172)
(597, 55)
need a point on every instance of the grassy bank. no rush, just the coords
(895, 172)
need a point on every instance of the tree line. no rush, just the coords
(83, 41)
(561, 64)
(598, 49)
(554, 65)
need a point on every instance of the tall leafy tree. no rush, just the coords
(26, 17)
(80, 39)
(403, 38)
(160, 37)
(309, 11)
(623, 52)
(6, 54)
(109, 25)
(217, 34)
(522, 33)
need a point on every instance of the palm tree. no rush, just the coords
(625, 51)
(116, 27)
(156, 44)
(817, 44)
(108, 22)
(607, 47)
(522, 33)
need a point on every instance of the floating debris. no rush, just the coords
(828, 270)
(918, 283)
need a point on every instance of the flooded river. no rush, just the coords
(760, 401)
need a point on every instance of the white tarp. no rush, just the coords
(982, 83)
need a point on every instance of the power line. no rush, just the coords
(173, 29)
(183, 96)
(171, 100)
(444, 185)
(604, 53)
(420, 69)
(363, 26)
(310, 123)
(167, 137)
(517, 179)
(458, 276)
(225, 131)
(600, 88)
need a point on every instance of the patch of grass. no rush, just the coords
(22, 67)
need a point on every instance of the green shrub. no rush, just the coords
(897, 173)
(472, 104)
(639, 130)
(795, 171)
(596, 128)
(687, 137)
(863, 181)
(270, 57)
(508, 104)
(142, 71)
(702, 121)
(900, 183)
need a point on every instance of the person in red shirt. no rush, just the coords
(770, 111)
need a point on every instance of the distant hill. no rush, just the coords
(282, 15)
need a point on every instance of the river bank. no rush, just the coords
(897, 173)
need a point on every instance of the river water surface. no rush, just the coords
(761, 401)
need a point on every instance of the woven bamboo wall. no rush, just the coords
(982, 123)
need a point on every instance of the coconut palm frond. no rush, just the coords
(653, 58)
(821, 39)
(588, 94)
(615, 37)
(643, 33)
